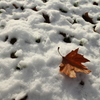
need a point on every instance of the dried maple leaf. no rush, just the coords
(15, 6)
(71, 64)
(34, 8)
(46, 17)
(87, 18)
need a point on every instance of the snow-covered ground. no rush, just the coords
(30, 33)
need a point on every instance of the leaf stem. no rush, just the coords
(59, 52)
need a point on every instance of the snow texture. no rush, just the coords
(30, 33)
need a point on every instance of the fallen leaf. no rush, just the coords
(34, 8)
(22, 8)
(87, 18)
(95, 3)
(44, 1)
(46, 17)
(71, 64)
(15, 6)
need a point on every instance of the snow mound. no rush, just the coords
(30, 33)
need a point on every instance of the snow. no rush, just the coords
(29, 60)
(97, 27)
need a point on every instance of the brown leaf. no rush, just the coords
(46, 17)
(15, 6)
(34, 8)
(44, 1)
(87, 18)
(71, 64)
(95, 3)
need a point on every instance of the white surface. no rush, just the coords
(39, 76)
